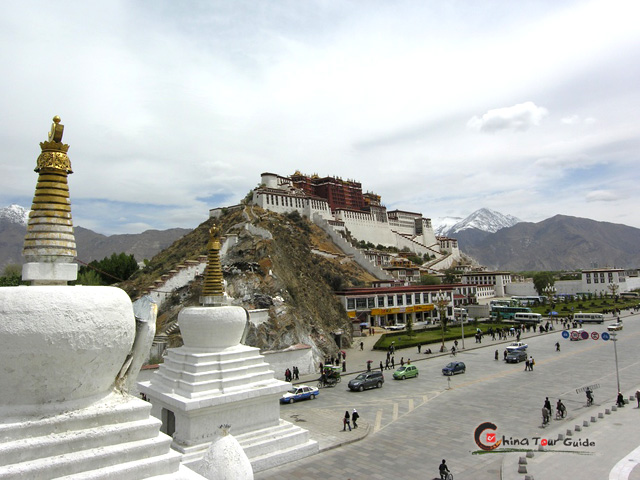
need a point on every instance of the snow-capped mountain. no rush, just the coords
(485, 219)
(15, 214)
(443, 224)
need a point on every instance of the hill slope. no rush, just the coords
(270, 266)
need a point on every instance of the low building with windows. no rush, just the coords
(499, 280)
(390, 304)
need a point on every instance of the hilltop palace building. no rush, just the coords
(344, 207)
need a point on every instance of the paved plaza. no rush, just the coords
(407, 427)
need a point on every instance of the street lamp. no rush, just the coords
(462, 326)
(613, 336)
(549, 292)
(441, 302)
(614, 289)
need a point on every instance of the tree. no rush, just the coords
(450, 276)
(542, 280)
(113, 269)
(409, 326)
(429, 280)
(12, 276)
(89, 277)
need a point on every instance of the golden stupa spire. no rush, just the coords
(213, 287)
(50, 238)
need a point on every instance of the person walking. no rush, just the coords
(354, 417)
(532, 362)
(547, 404)
(381, 370)
(402, 361)
(444, 470)
(497, 356)
(361, 346)
(620, 400)
(557, 346)
(504, 354)
(638, 397)
(346, 421)
(526, 365)
(393, 362)
(419, 347)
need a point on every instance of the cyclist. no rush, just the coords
(589, 396)
(561, 409)
(453, 350)
(444, 470)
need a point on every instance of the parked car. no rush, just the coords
(299, 392)
(397, 326)
(453, 368)
(615, 326)
(517, 346)
(407, 371)
(366, 380)
(516, 356)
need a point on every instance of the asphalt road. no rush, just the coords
(415, 423)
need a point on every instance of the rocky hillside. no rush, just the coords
(271, 266)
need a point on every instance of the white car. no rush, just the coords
(615, 326)
(398, 326)
(517, 346)
(299, 392)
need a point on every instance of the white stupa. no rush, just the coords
(68, 354)
(213, 379)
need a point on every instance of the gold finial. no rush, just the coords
(54, 152)
(50, 237)
(213, 288)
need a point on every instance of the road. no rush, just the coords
(416, 423)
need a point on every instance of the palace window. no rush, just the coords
(390, 302)
(400, 299)
(409, 298)
(380, 302)
(351, 304)
(371, 302)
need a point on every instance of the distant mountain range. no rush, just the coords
(498, 241)
(485, 220)
(89, 244)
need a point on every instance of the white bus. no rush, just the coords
(526, 317)
(588, 317)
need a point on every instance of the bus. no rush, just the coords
(630, 295)
(530, 300)
(524, 317)
(507, 313)
(588, 317)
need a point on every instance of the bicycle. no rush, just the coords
(561, 413)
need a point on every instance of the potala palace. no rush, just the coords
(340, 206)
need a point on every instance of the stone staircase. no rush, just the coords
(113, 438)
(287, 439)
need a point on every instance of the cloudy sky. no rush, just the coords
(530, 108)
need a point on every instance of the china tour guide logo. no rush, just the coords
(486, 438)
(490, 436)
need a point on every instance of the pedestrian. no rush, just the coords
(526, 365)
(496, 354)
(455, 342)
(321, 369)
(344, 365)
(402, 361)
(386, 366)
(346, 421)
(419, 347)
(638, 397)
(557, 346)
(620, 400)
(369, 366)
(444, 470)
(532, 362)
(355, 416)
(361, 345)
(381, 369)
(505, 354)
(547, 404)
(393, 362)
(296, 373)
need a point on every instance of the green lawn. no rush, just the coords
(433, 335)
(592, 306)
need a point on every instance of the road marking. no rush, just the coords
(395, 412)
(623, 468)
(410, 404)
(378, 423)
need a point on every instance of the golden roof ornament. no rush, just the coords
(50, 240)
(213, 286)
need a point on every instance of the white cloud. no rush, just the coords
(519, 117)
(602, 196)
